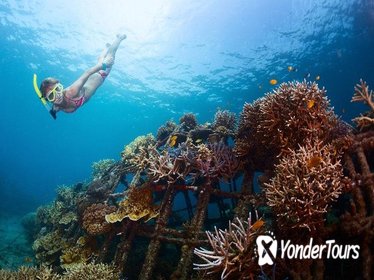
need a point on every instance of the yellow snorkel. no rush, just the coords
(42, 99)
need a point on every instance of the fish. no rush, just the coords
(198, 141)
(307, 75)
(318, 77)
(314, 161)
(310, 103)
(173, 140)
(273, 82)
(290, 68)
(259, 223)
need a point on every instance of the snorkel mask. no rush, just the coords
(55, 95)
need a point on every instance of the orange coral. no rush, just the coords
(137, 205)
(94, 218)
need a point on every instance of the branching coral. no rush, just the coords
(164, 131)
(362, 94)
(100, 167)
(77, 272)
(137, 205)
(216, 161)
(294, 113)
(226, 119)
(134, 148)
(232, 253)
(188, 122)
(305, 184)
(94, 218)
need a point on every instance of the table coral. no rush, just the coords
(137, 205)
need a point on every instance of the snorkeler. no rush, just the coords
(71, 98)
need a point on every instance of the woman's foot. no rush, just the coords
(121, 36)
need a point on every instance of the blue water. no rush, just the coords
(180, 56)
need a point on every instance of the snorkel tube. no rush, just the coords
(42, 99)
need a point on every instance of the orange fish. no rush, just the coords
(273, 82)
(259, 223)
(310, 104)
(314, 161)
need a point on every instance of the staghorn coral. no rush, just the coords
(135, 147)
(100, 167)
(305, 184)
(216, 160)
(30, 273)
(232, 254)
(226, 119)
(94, 218)
(293, 114)
(362, 94)
(78, 272)
(137, 205)
(188, 122)
(164, 131)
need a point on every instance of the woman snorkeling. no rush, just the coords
(74, 96)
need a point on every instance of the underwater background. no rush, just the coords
(179, 57)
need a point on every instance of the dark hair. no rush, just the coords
(46, 83)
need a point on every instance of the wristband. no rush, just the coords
(103, 66)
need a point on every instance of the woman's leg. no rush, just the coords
(97, 79)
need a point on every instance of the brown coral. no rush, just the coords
(137, 205)
(362, 94)
(94, 218)
(226, 119)
(294, 113)
(188, 122)
(305, 184)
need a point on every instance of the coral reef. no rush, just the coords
(187, 122)
(294, 113)
(306, 182)
(362, 94)
(306, 172)
(100, 167)
(136, 206)
(78, 272)
(131, 150)
(225, 119)
(232, 254)
(94, 218)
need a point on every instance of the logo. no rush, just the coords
(267, 247)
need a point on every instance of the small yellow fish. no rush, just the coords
(198, 141)
(314, 161)
(310, 103)
(273, 82)
(258, 224)
(317, 78)
(290, 68)
(173, 140)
